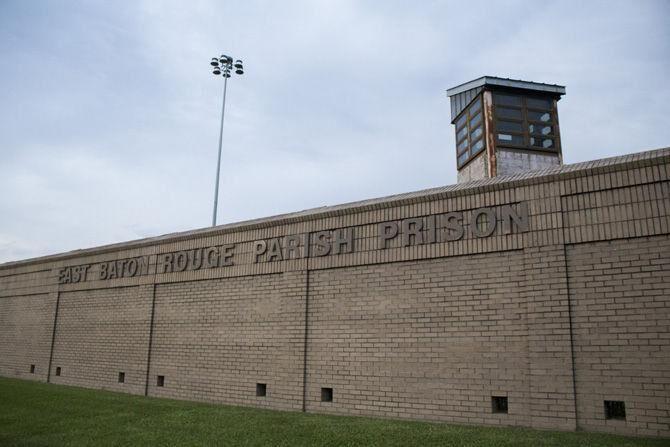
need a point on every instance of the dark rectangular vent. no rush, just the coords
(499, 404)
(326, 394)
(615, 409)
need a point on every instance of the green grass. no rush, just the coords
(37, 414)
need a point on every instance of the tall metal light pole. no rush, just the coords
(223, 65)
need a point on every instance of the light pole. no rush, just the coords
(222, 66)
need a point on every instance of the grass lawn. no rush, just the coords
(37, 414)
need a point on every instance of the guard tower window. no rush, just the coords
(525, 122)
(469, 132)
(515, 122)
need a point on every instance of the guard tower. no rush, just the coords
(504, 127)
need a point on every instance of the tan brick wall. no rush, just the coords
(425, 331)
(545, 291)
(100, 333)
(429, 339)
(214, 340)
(620, 293)
(26, 327)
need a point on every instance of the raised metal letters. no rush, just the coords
(123, 268)
(196, 259)
(451, 226)
(342, 241)
(412, 231)
(297, 246)
(75, 274)
(387, 231)
(274, 253)
(321, 243)
(489, 223)
(519, 219)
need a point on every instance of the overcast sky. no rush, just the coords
(109, 113)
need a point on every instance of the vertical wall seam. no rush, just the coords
(305, 343)
(529, 362)
(151, 336)
(572, 337)
(53, 336)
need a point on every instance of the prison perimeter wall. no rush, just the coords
(538, 300)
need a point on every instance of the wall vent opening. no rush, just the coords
(615, 409)
(326, 394)
(32, 369)
(261, 389)
(122, 377)
(160, 381)
(58, 370)
(499, 404)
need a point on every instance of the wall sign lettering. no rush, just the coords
(431, 229)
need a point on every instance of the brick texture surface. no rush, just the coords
(215, 340)
(420, 340)
(558, 315)
(620, 294)
(26, 326)
(101, 333)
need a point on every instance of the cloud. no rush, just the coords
(109, 115)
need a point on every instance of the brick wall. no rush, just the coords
(100, 333)
(420, 340)
(551, 393)
(556, 317)
(214, 340)
(620, 292)
(26, 327)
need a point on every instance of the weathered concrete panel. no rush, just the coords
(512, 162)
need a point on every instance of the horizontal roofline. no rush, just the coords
(531, 177)
(506, 82)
